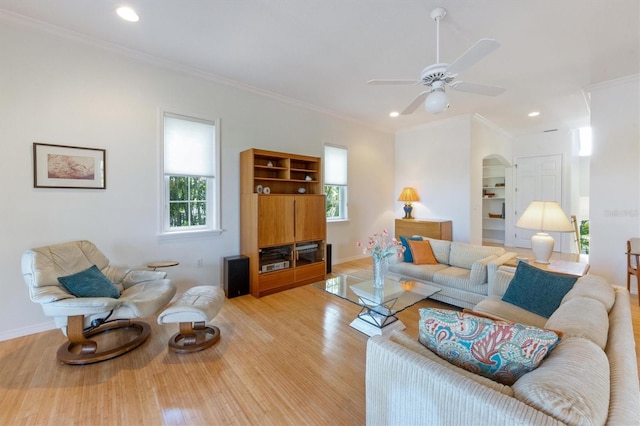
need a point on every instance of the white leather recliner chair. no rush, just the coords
(139, 294)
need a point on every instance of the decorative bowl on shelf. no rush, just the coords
(495, 216)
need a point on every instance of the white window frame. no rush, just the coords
(342, 184)
(213, 226)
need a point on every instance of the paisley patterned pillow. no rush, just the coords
(499, 350)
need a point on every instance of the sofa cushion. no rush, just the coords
(89, 283)
(459, 278)
(571, 319)
(493, 305)
(502, 279)
(464, 255)
(572, 384)
(594, 287)
(419, 272)
(536, 290)
(408, 255)
(441, 249)
(422, 253)
(499, 350)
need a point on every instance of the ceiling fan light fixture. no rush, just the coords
(436, 102)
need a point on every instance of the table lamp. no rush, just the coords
(408, 195)
(544, 216)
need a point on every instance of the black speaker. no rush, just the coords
(328, 259)
(236, 276)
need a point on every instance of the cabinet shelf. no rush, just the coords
(288, 172)
(493, 182)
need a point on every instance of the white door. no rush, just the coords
(537, 179)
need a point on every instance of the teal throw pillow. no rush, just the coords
(500, 350)
(536, 290)
(89, 283)
(408, 256)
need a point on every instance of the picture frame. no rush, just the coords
(64, 166)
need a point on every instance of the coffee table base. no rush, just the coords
(371, 330)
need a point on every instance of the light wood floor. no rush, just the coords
(288, 358)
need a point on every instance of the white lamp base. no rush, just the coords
(542, 246)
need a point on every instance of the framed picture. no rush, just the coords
(61, 166)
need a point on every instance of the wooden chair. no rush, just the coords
(633, 260)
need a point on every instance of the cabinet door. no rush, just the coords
(275, 220)
(310, 217)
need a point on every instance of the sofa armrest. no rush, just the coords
(405, 387)
(137, 276)
(478, 273)
(492, 271)
(80, 306)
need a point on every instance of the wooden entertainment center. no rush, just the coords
(282, 220)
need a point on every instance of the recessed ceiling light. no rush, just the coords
(127, 14)
(394, 114)
(534, 113)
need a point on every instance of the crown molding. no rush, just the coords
(24, 21)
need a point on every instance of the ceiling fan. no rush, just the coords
(435, 77)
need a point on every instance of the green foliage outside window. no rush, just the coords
(333, 201)
(187, 201)
(584, 236)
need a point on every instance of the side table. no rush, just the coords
(562, 267)
(162, 264)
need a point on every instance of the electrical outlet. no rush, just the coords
(199, 262)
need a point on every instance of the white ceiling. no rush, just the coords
(321, 53)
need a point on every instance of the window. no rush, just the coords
(335, 182)
(585, 141)
(190, 169)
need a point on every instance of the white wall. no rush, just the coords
(59, 90)
(615, 176)
(443, 161)
(434, 159)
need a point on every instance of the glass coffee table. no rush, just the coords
(378, 306)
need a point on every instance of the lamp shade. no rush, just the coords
(545, 216)
(408, 194)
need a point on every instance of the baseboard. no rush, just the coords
(25, 331)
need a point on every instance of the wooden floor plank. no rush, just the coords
(288, 358)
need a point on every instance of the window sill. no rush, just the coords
(179, 235)
(337, 220)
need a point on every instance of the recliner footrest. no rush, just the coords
(192, 310)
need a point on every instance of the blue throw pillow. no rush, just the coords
(89, 283)
(408, 256)
(536, 290)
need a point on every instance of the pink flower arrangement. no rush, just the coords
(380, 246)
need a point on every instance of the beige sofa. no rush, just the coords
(463, 271)
(591, 377)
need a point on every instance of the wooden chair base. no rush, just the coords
(194, 337)
(80, 349)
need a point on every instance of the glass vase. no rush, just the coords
(380, 267)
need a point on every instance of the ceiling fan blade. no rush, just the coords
(473, 55)
(416, 103)
(481, 89)
(393, 82)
